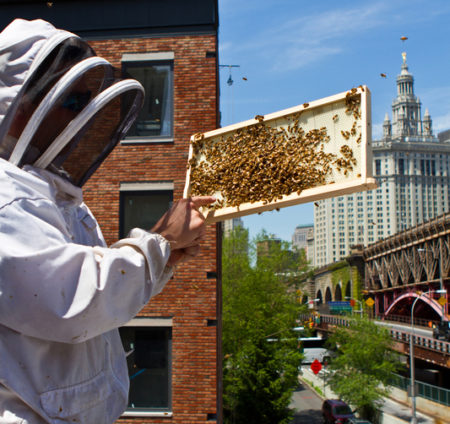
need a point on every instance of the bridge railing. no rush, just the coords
(425, 390)
(425, 342)
(420, 322)
(400, 335)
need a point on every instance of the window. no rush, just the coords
(142, 204)
(377, 167)
(155, 72)
(148, 344)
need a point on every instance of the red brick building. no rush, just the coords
(171, 48)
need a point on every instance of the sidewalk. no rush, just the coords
(393, 412)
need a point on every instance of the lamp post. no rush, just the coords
(441, 282)
(411, 357)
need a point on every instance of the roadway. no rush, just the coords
(418, 331)
(307, 405)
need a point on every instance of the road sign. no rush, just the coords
(316, 366)
(370, 302)
(352, 302)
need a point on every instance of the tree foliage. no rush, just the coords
(260, 308)
(363, 365)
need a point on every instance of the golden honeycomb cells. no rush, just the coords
(310, 152)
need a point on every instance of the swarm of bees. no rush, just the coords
(261, 163)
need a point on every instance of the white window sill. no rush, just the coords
(147, 414)
(146, 140)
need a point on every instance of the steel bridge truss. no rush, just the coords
(417, 256)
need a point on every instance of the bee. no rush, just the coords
(305, 105)
(403, 38)
(382, 75)
(345, 134)
(49, 4)
(198, 136)
(335, 117)
(259, 118)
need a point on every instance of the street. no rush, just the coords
(307, 405)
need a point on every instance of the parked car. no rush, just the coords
(335, 411)
(358, 421)
(442, 330)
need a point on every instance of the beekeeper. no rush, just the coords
(63, 293)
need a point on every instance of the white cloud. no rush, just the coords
(300, 41)
(441, 123)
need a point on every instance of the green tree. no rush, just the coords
(363, 365)
(261, 356)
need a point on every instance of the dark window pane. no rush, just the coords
(155, 118)
(377, 167)
(149, 366)
(142, 209)
(401, 166)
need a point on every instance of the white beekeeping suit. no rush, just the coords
(63, 293)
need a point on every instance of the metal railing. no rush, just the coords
(425, 390)
(400, 335)
(419, 322)
(425, 342)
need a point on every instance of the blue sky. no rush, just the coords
(294, 51)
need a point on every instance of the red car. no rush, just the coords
(335, 411)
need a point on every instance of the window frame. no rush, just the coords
(159, 322)
(153, 59)
(141, 187)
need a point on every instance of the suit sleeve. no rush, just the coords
(54, 289)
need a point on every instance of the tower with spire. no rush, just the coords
(412, 168)
(406, 111)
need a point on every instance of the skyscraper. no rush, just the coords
(411, 166)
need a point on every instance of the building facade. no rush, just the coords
(231, 224)
(412, 169)
(171, 48)
(303, 238)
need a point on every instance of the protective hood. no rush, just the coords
(62, 108)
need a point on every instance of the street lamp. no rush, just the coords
(441, 283)
(411, 356)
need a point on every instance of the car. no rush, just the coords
(336, 411)
(442, 330)
(358, 421)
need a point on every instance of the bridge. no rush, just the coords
(408, 266)
(426, 347)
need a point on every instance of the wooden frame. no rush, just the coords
(344, 125)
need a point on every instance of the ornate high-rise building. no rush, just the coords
(412, 169)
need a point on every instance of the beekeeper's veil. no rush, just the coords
(61, 107)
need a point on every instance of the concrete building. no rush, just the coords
(230, 224)
(303, 238)
(412, 169)
(171, 47)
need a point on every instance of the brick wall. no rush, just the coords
(190, 298)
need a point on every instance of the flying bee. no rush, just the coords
(259, 118)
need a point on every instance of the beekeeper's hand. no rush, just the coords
(184, 227)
